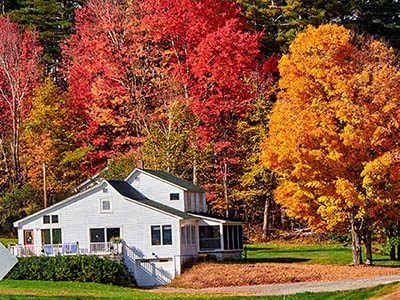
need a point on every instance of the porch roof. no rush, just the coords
(218, 219)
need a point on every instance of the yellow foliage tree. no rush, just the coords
(334, 133)
(46, 140)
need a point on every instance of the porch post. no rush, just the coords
(221, 230)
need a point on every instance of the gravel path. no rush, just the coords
(291, 288)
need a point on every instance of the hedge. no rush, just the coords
(84, 268)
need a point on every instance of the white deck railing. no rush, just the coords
(66, 249)
(22, 250)
(105, 248)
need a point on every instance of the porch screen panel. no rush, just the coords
(231, 237)
(210, 237)
(56, 233)
(97, 235)
(225, 229)
(240, 237)
(235, 237)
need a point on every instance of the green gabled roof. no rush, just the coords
(126, 190)
(168, 209)
(175, 180)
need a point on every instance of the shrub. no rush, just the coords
(85, 268)
(341, 238)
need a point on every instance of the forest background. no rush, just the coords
(184, 86)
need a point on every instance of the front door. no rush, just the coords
(28, 237)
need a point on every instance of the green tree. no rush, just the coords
(170, 144)
(254, 193)
(53, 19)
(282, 20)
(15, 204)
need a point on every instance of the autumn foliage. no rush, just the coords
(19, 75)
(334, 130)
(187, 87)
(212, 56)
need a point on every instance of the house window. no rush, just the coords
(189, 235)
(54, 219)
(158, 235)
(51, 236)
(155, 235)
(28, 237)
(174, 196)
(167, 234)
(50, 219)
(112, 233)
(56, 236)
(97, 235)
(102, 235)
(105, 205)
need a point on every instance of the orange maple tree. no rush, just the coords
(334, 133)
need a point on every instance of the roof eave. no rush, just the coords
(18, 222)
(215, 219)
(153, 208)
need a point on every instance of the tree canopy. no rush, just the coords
(334, 129)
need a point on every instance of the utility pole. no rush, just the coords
(44, 186)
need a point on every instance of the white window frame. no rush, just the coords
(101, 206)
(105, 232)
(51, 219)
(162, 235)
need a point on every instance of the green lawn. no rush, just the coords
(308, 253)
(6, 241)
(12, 289)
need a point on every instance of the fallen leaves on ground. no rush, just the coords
(206, 275)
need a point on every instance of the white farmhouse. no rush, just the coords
(153, 220)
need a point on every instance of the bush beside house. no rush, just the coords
(72, 268)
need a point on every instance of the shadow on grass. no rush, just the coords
(265, 260)
(260, 248)
(301, 250)
(276, 260)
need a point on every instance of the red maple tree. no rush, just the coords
(212, 56)
(19, 74)
(112, 73)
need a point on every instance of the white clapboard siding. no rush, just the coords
(134, 221)
(157, 190)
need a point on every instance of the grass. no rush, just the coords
(6, 241)
(336, 254)
(12, 289)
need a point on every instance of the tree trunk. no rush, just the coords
(368, 247)
(266, 218)
(225, 181)
(194, 170)
(4, 157)
(356, 244)
(398, 252)
(392, 253)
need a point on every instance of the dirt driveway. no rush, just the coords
(294, 288)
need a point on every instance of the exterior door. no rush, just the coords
(28, 237)
(154, 272)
